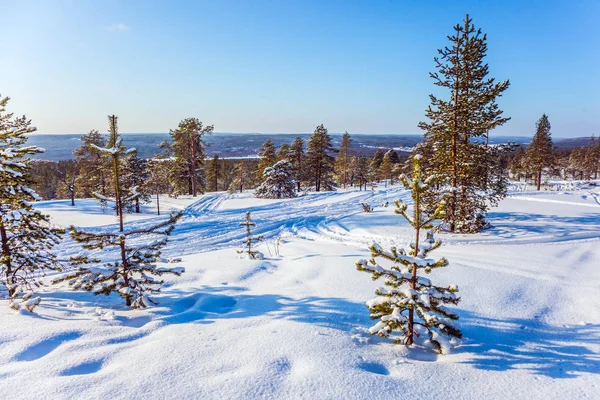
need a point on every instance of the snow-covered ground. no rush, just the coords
(294, 325)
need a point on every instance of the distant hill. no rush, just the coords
(571, 143)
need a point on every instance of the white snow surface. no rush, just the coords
(295, 326)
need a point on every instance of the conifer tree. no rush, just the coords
(387, 167)
(131, 271)
(267, 156)
(26, 237)
(116, 153)
(411, 303)
(297, 158)
(283, 152)
(375, 166)
(250, 240)
(343, 161)
(319, 162)
(540, 152)
(362, 172)
(278, 183)
(135, 176)
(158, 179)
(213, 173)
(93, 168)
(592, 158)
(242, 177)
(458, 129)
(189, 149)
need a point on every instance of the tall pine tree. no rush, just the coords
(297, 157)
(540, 152)
(343, 164)
(319, 161)
(26, 236)
(459, 126)
(267, 156)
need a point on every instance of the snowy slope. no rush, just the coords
(294, 326)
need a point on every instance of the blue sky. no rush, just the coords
(287, 66)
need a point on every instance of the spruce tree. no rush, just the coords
(250, 240)
(375, 166)
(278, 183)
(267, 156)
(131, 271)
(459, 126)
(343, 161)
(26, 236)
(319, 162)
(297, 158)
(411, 303)
(540, 152)
(189, 149)
(362, 172)
(386, 167)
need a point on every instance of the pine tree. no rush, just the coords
(283, 152)
(158, 180)
(250, 240)
(131, 271)
(278, 183)
(135, 175)
(26, 236)
(189, 149)
(592, 158)
(343, 161)
(375, 166)
(387, 167)
(116, 153)
(267, 156)
(297, 157)
(242, 177)
(540, 152)
(458, 129)
(362, 172)
(213, 173)
(319, 162)
(411, 303)
(93, 169)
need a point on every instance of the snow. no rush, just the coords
(296, 325)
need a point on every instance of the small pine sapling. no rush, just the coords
(130, 271)
(411, 303)
(250, 240)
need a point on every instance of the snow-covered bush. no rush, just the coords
(250, 240)
(278, 183)
(409, 302)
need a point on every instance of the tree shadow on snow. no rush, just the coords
(511, 224)
(530, 345)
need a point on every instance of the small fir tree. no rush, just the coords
(386, 168)
(278, 183)
(250, 240)
(158, 180)
(26, 237)
(411, 303)
(131, 271)
(135, 176)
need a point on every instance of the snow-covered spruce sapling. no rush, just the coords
(278, 183)
(26, 235)
(411, 303)
(250, 240)
(129, 270)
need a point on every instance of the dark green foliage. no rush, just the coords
(319, 161)
(540, 152)
(267, 156)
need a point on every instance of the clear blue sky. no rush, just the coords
(287, 66)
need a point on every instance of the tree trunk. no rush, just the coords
(413, 281)
(119, 205)
(125, 269)
(193, 167)
(157, 204)
(7, 263)
(73, 197)
(539, 178)
(137, 206)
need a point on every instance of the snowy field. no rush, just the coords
(294, 325)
